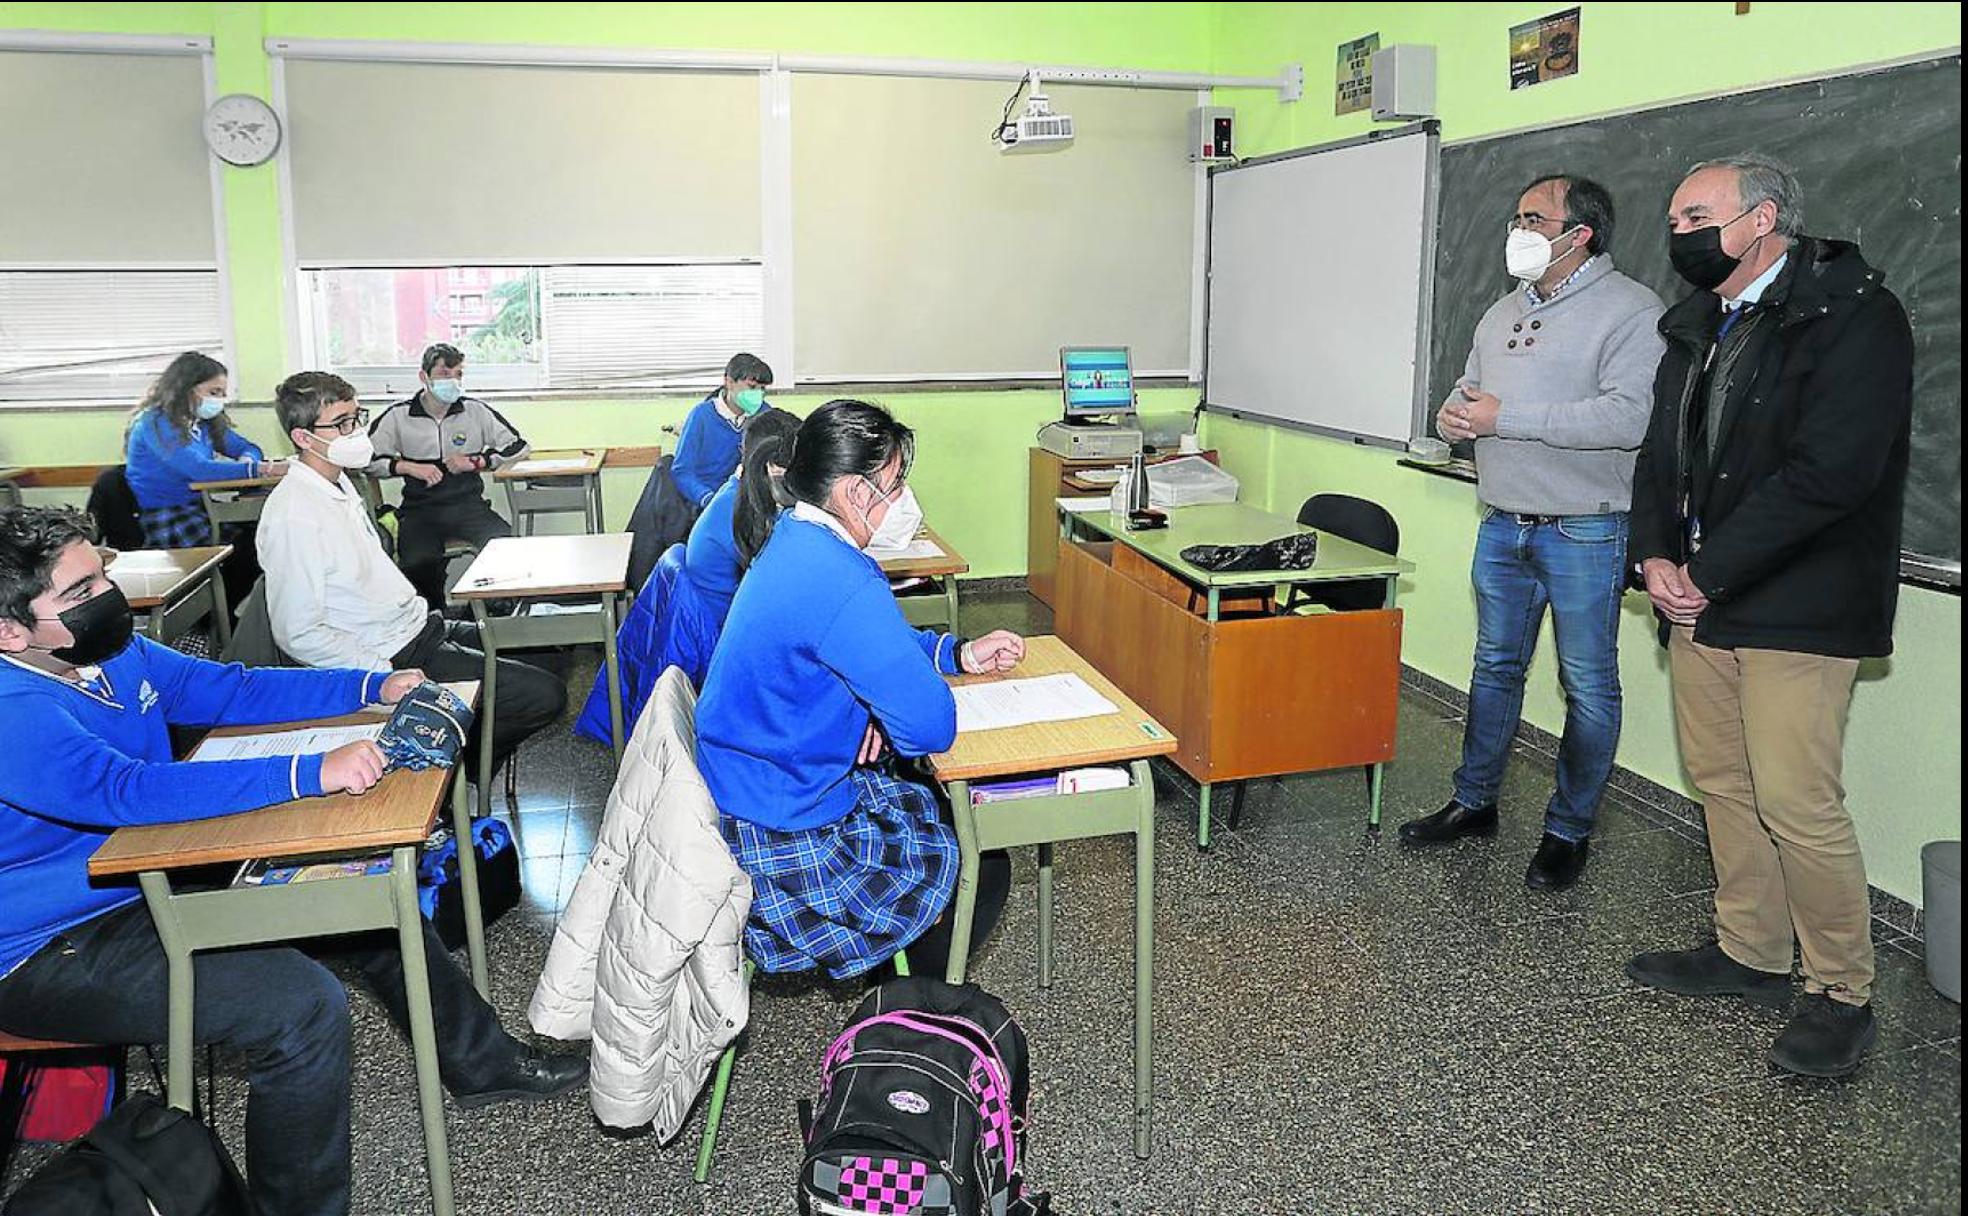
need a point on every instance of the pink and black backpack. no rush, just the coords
(921, 1109)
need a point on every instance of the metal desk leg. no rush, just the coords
(614, 670)
(593, 481)
(487, 703)
(964, 906)
(950, 601)
(1144, 961)
(423, 1033)
(1045, 916)
(522, 524)
(468, 882)
(221, 612)
(1374, 780)
(211, 513)
(178, 1089)
(1202, 815)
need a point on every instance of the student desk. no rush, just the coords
(1128, 737)
(550, 483)
(1248, 695)
(240, 500)
(541, 568)
(397, 816)
(177, 588)
(943, 571)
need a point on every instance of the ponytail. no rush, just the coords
(842, 438)
(769, 440)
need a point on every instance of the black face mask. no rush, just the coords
(1698, 256)
(101, 626)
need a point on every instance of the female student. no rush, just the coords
(680, 610)
(179, 434)
(815, 680)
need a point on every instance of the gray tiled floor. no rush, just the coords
(1342, 1026)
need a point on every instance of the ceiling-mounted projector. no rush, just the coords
(1038, 129)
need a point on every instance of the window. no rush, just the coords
(101, 334)
(536, 327)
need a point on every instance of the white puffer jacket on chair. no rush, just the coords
(648, 957)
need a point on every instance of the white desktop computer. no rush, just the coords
(1097, 385)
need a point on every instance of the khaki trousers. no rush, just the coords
(1763, 737)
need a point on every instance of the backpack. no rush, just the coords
(61, 1102)
(441, 891)
(921, 1109)
(146, 1158)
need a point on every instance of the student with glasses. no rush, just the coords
(334, 597)
(818, 695)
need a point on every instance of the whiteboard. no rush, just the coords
(1319, 294)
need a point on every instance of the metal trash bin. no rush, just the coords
(1940, 892)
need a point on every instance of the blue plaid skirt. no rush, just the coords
(847, 896)
(181, 527)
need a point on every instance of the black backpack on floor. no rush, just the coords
(143, 1157)
(921, 1109)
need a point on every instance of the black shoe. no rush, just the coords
(1707, 971)
(1558, 863)
(1825, 1038)
(1452, 822)
(532, 1077)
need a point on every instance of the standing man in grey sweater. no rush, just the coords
(1557, 393)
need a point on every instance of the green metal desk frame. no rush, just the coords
(177, 616)
(1045, 822)
(924, 611)
(496, 633)
(528, 498)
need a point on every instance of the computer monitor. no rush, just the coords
(1098, 382)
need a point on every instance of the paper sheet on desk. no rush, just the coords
(1005, 703)
(920, 549)
(307, 741)
(538, 468)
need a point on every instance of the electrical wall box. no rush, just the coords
(1403, 83)
(1212, 135)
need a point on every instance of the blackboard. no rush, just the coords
(1879, 157)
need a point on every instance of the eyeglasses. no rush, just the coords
(345, 425)
(1530, 220)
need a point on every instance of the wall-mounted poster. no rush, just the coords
(1353, 89)
(1544, 49)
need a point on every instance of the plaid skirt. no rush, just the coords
(847, 896)
(181, 527)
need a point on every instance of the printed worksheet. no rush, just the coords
(1006, 703)
(307, 741)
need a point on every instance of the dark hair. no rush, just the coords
(1586, 202)
(768, 441)
(441, 352)
(748, 367)
(170, 396)
(840, 439)
(31, 541)
(302, 396)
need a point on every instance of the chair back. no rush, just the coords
(1363, 522)
(252, 634)
(114, 508)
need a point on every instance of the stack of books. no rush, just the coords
(1072, 781)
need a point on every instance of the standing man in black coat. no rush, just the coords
(1766, 527)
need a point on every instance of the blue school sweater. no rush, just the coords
(710, 558)
(814, 646)
(161, 464)
(77, 765)
(707, 452)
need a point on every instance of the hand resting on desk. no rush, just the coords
(999, 650)
(353, 768)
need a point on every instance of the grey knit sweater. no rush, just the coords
(1575, 376)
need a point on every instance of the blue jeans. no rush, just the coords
(1576, 565)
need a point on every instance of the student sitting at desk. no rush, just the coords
(333, 597)
(179, 434)
(679, 613)
(86, 708)
(439, 441)
(815, 677)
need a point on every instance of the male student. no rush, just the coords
(1766, 527)
(1556, 395)
(439, 441)
(334, 599)
(86, 708)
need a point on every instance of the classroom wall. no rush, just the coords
(971, 468)
(1903, 754)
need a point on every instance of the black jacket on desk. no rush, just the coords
(1800, 503)
(468, 427)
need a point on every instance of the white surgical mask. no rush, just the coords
(1527, 254)
(351, 451)
(211, 408)
(900, 525)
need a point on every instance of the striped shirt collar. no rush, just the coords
(1537, 299)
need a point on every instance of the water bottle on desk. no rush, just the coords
(1137, 483)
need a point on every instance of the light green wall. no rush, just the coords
(1903, 758)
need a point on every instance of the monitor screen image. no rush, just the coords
(1099, 380)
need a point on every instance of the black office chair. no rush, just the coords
(1363, 523)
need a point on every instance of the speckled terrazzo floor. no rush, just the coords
(1342, 1026)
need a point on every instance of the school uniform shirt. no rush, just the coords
(334, 598)
(710, 557)
(82, 761)
(814, 646)
(468, 427)
(707, 451)
(160, 463)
